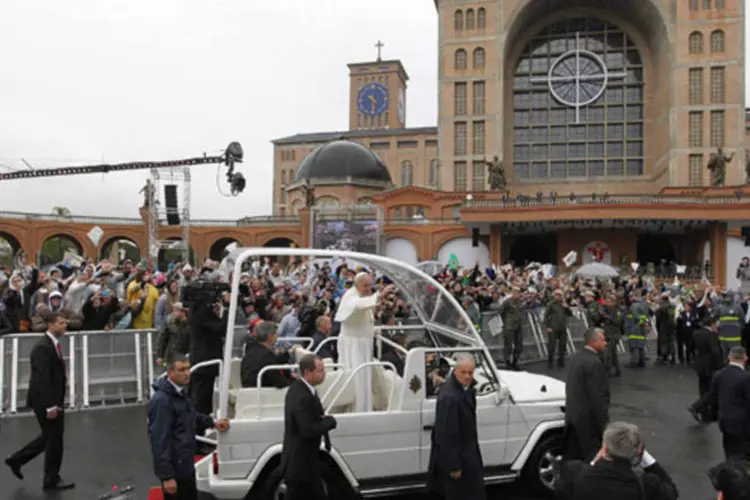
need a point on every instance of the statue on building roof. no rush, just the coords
(496, 173)
(149, 193)
(309, 194)
(718, 167)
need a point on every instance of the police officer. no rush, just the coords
(556, 322)
(612, 322)
(512, 314)
(666, 328)
(593, 310)
(731, 323)
(638, 331)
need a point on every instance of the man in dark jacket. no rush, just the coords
(612, 323)
(207, 330)
(729, 399)
(305, 425)
(586, 398)
(173, 424)
(708, 360)
(667, 329)
(622, 470)
(174, 337)
(259, 353)
(556, 320)
(455, 469)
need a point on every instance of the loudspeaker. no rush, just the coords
(475, 237)
(170, 199)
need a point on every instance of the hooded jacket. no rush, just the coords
(173, 424)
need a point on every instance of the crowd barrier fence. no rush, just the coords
(117, 367)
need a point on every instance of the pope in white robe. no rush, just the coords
(355, 342)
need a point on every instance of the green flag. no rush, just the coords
(453, 262)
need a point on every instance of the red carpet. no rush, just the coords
(156, 494)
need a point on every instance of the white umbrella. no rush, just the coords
(597, 269)
(431, 267)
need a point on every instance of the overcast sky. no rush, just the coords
(123, 80)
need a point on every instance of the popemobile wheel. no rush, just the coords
(542, 470)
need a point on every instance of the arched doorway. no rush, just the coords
(654, 249)
(221, 248)
(9, 246)
(280, 242)
(118, 249)
(540, 248)
(55, 249)
(172, 251)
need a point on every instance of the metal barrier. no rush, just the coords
(103, 367)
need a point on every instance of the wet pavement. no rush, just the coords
(107, 447)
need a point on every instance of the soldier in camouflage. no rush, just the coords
(593, 310)
(512, 313)
(556, 321)
(174, 337)
(612, 322)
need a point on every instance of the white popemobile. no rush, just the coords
(520, 416)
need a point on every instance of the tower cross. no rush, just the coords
(379, 46)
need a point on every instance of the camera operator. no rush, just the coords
(208, 325)
(622, 469)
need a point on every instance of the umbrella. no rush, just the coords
(430, 267)
(597, 269)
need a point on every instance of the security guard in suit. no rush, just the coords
(638, 326)
(731, 324)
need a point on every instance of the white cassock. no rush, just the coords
(355, 313)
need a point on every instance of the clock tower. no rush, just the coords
(377, 99)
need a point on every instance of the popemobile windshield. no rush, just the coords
(520, 416)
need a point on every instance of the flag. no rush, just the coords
(453, 262)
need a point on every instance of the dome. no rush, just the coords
(340, 160)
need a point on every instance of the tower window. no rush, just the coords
(460, 62)
(481, 18)
(459, 173)
(460, 98)
(695, 129)
(717, 129)
(459, 21)
(478, 58)
(407, 173)
(477, 137)
(718, 85)
(460, 138)
(477, 97)
(470, 19)
(696, 86)
(695, 42)
(695, 174)
(717, 41)
(477, 176)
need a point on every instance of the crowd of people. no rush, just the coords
(695, 326)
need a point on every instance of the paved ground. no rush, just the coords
(110, 447)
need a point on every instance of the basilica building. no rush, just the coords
(614, 129)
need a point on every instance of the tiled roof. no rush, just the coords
(353, 134)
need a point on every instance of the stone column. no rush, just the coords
(496, 244)
(717, 237)
(305, 216)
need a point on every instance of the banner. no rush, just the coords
(347, 235)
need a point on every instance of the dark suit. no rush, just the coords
(586, 405)
(304, 427)
(614, 480)
(708, 358)
(730, 396)
(455, 444)
(258, 356)
(46, 390)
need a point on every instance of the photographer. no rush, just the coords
(622, 469)
(208, 325)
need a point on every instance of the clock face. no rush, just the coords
(372, 99)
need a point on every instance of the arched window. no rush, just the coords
(478, 58)
(460, 62)
(470, 19)
(570, 128)
(717, 41)
(695, 42)
(459, 21)
(327, 201)
(481, 18)
(283, 177)
(407, 173)
(296, 205)
(282, 196)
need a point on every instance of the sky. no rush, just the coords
(86, 81)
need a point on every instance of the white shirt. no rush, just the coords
(177, 388)
(312, 389)
(738, 365)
